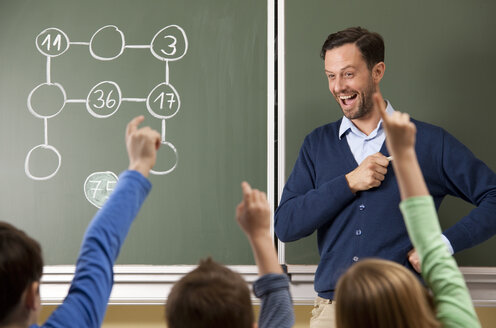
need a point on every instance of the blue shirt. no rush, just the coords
(362, 145)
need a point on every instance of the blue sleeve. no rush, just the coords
(86, 302)
(469, 178)
(305, 207)
(277, 309)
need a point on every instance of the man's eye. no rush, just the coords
(330, 76)
(348, 74)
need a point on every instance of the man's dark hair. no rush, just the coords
(371, 44)
(210, 296)
(21, 264)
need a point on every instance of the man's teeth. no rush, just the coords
(345, 97)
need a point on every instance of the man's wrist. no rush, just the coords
(348, 178)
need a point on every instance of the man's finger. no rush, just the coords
(133, 125)
(381, 160)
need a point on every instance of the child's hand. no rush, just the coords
(400, 131)
(253, 213)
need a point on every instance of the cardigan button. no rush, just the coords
(355, 258)
(358, 232)
(361, 207)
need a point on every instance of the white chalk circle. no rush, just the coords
(168, 144)
(52, 42)
(98, 187)
(170, 43)
(163, 101)
(45, 88)
(104, 99)
(26, 162)
(105, 36)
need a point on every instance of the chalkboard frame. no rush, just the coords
(143, 278)
(149, 285)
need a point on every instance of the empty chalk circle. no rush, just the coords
(46, 100)
(28, 158)
(170, 43)
(107, 43)
(174, 160)
(52, 42)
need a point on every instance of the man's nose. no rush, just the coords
(339, 85)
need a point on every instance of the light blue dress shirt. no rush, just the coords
(362, 145)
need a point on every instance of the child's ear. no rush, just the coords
(255, 325)
(32, 300)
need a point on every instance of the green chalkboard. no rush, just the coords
(439, 68)
(217, 70)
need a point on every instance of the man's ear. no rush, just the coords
(378, 72)
(255, 325)
(32, 300)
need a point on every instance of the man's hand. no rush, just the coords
(369, 174)
(399, 129)
(142, 145)
(253, 213)
(414, 260)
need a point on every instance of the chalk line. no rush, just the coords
(138, 46)
(167, 72)
(46, 130)
(163, 131)
(134, 99)
(48, 70)
(81, 101)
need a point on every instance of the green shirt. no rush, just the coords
(439, 270)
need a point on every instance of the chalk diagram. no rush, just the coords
(104, 99)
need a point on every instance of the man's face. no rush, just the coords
(350, 80)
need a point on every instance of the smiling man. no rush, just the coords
(342, 184)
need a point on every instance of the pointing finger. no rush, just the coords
(379, 104)
(246, 189)
(133, 125)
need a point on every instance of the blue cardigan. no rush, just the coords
(369, 224)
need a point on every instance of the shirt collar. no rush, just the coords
(347, 124)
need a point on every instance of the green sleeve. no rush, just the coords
(453, 303)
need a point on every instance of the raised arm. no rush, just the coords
(253, 216)
(453, 303)
(88, 295)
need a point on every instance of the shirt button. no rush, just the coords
(361, 207)
(358, 232)
(355, 258)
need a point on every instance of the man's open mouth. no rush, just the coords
(348, 99)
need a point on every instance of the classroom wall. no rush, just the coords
(121, 316)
